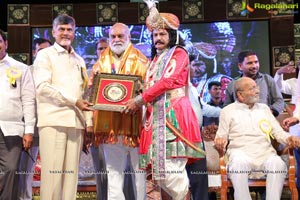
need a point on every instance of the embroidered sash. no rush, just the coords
(159, 121)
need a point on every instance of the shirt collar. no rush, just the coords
(258, 75)
(245, 106)
(4, 59)
(60, 49)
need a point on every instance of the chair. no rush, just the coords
(290, 181)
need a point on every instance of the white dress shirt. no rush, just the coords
(297, 109)
(288, 86)
(59, 84)
(241, 126)
(291, 87)
(17, 104)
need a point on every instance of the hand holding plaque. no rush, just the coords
(110, 91)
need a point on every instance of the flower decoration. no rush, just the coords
(266, 127)
(13, 74)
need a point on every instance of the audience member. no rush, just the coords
(292, 123)
(60, 78)
(197, 171)
(214, 89)
(210, 126)
(39, 44)
(101, 45)
(270, 94)
(288, 86)
(248, 134)
(17, 118)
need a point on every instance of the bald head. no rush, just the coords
(119, 27)
(242, 83)
(246, 91)
(119, 38)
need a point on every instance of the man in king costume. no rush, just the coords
(119, 132)
(171, 133)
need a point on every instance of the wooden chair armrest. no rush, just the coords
(291, 176)
(292, 166)
(292, 160)
(224, 178)
(222, 165)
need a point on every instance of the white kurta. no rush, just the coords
(288, 86)
(17, 104)
(250, 150)
(241, 126)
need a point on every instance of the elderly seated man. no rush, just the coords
(247, 127)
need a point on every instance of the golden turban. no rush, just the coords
(157, 20)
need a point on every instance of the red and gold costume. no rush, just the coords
(107, 124)
(171, 133)
(166, 99)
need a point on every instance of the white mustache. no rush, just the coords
(118, 44)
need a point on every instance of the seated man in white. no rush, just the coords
(247, 127)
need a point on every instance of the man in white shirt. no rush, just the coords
(292, 123)
(288, 86)
(17, 118)
(248, 134)
(60, 78)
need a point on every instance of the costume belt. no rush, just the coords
(177, 133)
(176, 93)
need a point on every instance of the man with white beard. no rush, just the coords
(119, 132)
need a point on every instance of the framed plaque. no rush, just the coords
(110, 91)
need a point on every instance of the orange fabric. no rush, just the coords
(109, 125)
(162, 21)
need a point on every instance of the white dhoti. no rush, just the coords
(239, 167)
(176, 183)
(116, 158)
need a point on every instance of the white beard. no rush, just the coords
(119, 48)
(253, 99)
(65, 43)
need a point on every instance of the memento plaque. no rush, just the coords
(110, 91)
